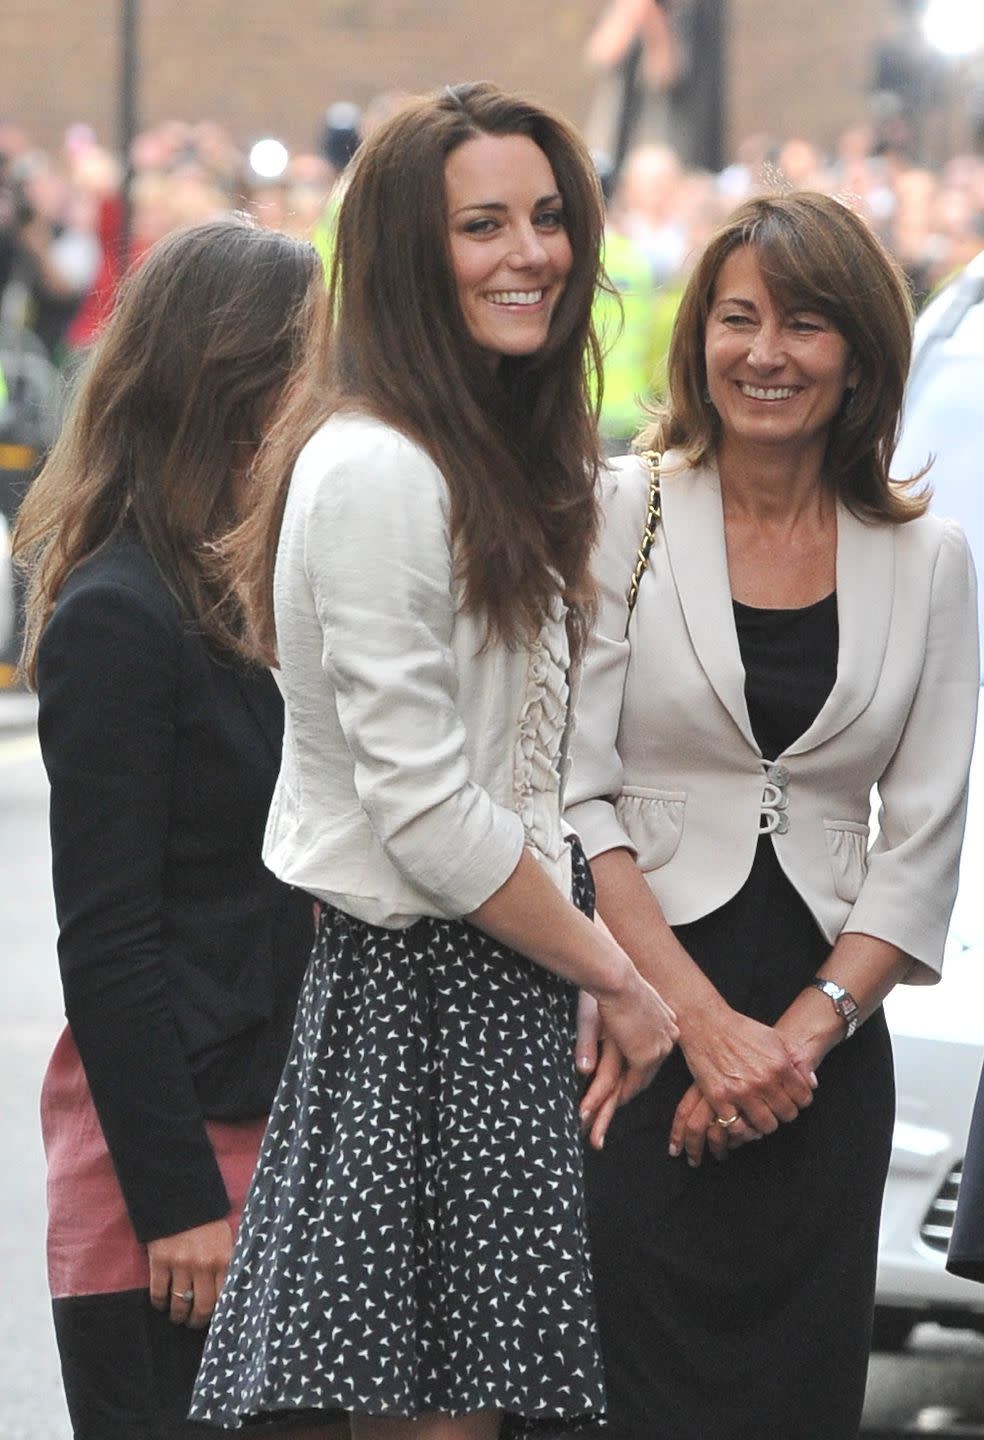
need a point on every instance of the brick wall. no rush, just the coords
(801, 67)
(263, 66)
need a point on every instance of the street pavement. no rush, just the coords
(31, 1405)
(937, 1387)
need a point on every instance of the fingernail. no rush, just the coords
(674, 1151)
(585, 1114)
(584, 1062)
(813, 1079)
(691, 1162)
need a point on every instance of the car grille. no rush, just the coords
(937, 1227)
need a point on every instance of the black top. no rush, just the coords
(777, 644)
(181, 955)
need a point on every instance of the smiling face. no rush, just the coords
(775, 376)
(510, 252)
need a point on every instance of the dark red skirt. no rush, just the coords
(92, 1248)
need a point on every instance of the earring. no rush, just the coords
(706, 396)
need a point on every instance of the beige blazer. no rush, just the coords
(665, 761)
(418, 762)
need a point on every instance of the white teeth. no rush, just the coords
(758, 392)
(515, 297)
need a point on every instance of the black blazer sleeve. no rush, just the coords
(966, 1253)
(109, 682)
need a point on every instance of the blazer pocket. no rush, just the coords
(653, 821)
(847, 851)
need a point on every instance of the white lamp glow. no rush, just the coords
(954, 27)
(268, 159)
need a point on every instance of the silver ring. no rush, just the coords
(187, 1296)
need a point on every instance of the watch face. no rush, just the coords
(843, 1001)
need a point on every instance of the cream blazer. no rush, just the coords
(665, 762)
(418, 762)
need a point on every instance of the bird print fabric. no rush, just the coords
(414, 1237)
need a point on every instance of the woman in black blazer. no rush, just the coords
(966, 1253)
(181, 955)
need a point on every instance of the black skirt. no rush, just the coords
(414, 1239)
(735, 1300)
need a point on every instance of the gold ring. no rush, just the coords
(730, 1121)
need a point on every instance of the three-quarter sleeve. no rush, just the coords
(913, 864)
(108, 680)
(378, 558)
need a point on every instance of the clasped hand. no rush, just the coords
(744, 1069)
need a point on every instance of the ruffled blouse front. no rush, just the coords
(541, 746)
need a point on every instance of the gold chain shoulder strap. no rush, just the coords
(653, 514)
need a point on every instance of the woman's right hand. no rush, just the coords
(637, 1019)
(191, 1263)
(745, 1068)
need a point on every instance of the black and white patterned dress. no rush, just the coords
(414, 1239)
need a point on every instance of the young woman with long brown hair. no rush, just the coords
(181, 956)
(413, 1244)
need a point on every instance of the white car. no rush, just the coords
(938, 1032)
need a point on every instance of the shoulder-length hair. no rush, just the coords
(518, 448)
(168, 415)
(815, 254)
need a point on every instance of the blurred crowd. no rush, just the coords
(63, 220)
(64, 225)
(661, 213)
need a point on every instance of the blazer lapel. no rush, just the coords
(693, 522)
(865, 587)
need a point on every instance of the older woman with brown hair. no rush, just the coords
(793, 630)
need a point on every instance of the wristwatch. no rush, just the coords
(843, 1001)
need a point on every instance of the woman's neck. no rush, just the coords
(780, 524)
(772, 487)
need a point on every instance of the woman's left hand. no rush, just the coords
(695, 1126)
(187, 1271)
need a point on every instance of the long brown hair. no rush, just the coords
(518, 449)
(815, 254)
(167, 416)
